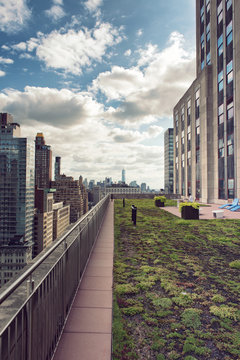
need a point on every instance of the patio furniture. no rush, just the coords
(234, 208)
(218, 214)
(234, 203)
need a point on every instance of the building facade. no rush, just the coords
(17, 180)
(61, 219)
(43, 162)
(57, 167)
(168, 161)
(71, 192)
(43, 220)
(122, 189)
(207, 117)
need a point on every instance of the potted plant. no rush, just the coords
(189, 210)
(159, 201)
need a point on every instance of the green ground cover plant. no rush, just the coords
(176, 286)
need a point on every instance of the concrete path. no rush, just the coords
(88, 331)
(206, 212)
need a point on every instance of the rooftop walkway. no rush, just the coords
(206, 212)
(88, 331)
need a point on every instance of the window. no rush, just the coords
(220, 7)
(220, 76)
(229, 28)
(229, 4)
(230, 77)
(230, 111)
(220, 50)
(229, 66)
(208, 58)
(220, 109)
(229, 38)
(220, 40)
(220, 86)
(220, 17)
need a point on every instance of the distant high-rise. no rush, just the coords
(57, 167)
(143, 187)
(43, 162)
(17, 184)
(71, 192)
(207, 117)
(168, 161)
(123, 176)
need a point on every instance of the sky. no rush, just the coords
(99, 78)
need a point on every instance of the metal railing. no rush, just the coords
(34, 307)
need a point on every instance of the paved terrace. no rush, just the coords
(88, 331)
(206, 212)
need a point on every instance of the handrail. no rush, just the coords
(30, 270)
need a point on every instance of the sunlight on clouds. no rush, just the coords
(151, 88)
(56, 12)
(128, 52)
(2, 73)
(6, 61)
(14, 15)
(73, 50)
(59, 108)
(93, 5)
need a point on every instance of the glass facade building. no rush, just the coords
(17, 186)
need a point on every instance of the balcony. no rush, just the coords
(35, 308)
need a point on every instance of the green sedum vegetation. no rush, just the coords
(176, 286)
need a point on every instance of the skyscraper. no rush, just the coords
(123, 176)
(168, 161)
(43, 162)
(207, 117)
(57, 167)
(17, 182)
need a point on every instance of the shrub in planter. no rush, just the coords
(189, 210)
(159, 201)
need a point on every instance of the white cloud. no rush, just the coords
(22, 46)
(128, 52)
(149, 90)
(56, 12)
(58, 108)
(119, 82)
(6, 60)
(93, 5)
(2, 73)
(139, 32)
(74, 50)
(143, 94)
(73, 124)
(14, 15)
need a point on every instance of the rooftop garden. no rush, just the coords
(176, 286)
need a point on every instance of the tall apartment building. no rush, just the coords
(43, 162)
(43, 220)
(207, 117)
(17, 180)
(168, 161)
(57, 167)
(71, 192)
(61, 219)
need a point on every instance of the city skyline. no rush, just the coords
(100, 79)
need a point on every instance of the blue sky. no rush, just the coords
(99, 78)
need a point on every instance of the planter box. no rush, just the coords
(190, 213)
(159, 203)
